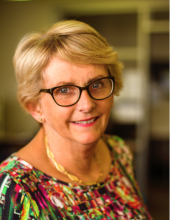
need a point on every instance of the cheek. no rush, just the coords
(54, 114)
(108, 104)
(106, 110)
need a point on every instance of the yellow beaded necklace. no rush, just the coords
(61, 169)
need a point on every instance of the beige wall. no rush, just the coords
(17, 19)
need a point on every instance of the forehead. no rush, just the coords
(59, 72)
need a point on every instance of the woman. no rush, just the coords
(67, 78)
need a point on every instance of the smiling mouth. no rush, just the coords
(86, 122)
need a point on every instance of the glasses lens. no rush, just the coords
(101, 88)
(66, 95)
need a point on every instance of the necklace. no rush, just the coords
(61, 169)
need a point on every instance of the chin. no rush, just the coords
(86, 139)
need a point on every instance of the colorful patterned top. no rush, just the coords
(28, 193)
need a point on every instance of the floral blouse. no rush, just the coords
(28, 193)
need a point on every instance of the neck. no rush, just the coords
(74, 157)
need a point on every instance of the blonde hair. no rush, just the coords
(71, 40)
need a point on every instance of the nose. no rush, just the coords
(85, 103)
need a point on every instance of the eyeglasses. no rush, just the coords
(67, 95)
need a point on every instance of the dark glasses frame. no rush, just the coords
(51, 90)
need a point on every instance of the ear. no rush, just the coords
(35, 110)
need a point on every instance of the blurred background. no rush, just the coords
(139, 31)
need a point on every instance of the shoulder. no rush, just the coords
(13, 197)
(18, 171)
(14, 167)
(7, 168)
(121, 151)
(5, 177)
(7, 164)
(118, 145)
(12, 170)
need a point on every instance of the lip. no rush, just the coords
(92, 121)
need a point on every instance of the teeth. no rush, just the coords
(85, 122)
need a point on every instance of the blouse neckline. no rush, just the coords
(43, 176)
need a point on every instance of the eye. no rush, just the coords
(97, 85)
(64, 90)
(61, 91)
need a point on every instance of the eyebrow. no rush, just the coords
(73, 83)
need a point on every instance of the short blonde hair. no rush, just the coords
(71, 40)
